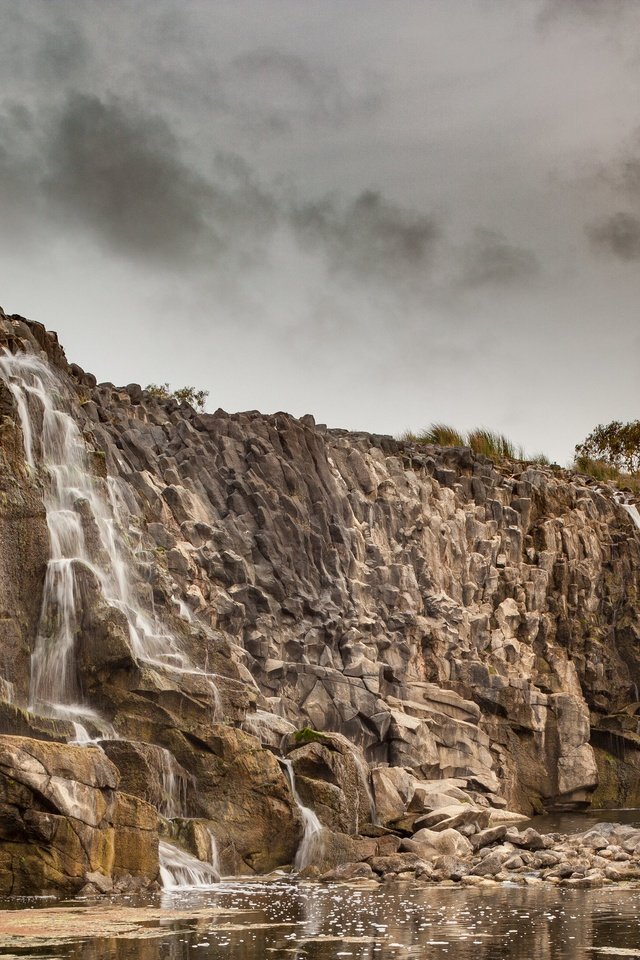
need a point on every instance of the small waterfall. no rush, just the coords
(364, 775)
(632, 510)
(180, 870)
(173, 782)
(214, 853)
(84, 535)
(311, 843)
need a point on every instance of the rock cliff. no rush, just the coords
(411, 628)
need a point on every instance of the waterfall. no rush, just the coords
(214, 853)
(632, 510)
(311, 843)
(179, 870)
(173, 783)
(363, 775)
(84, 534)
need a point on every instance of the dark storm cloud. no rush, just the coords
(118, 171)
(110, 168)
(20, 170)
(369, 236)
(617, 235)
(489, 259)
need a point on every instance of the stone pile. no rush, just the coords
(606, 854)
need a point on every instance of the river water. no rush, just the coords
(303, 921)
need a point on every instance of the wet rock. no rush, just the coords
(492, 863)
(349, 871)
(528, 839)
(397, 863)
(332, 778)
(487, 837)
(63, 820)
(449, 868)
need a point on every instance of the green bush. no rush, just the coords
(162, 391)
(615, 444)
(605, 473)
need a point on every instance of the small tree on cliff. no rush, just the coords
(197, 398)
(615, 444)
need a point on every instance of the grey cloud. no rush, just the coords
(602, 9)
(119, 172)
(369, 236)
(105, 166)
(489, 259)
(276, 90)
(623, 174)
(20, 170)
(617, 235)
(63, 52)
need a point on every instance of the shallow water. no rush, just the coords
(585, 820)
(314, 922)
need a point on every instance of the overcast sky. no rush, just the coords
(382, 212)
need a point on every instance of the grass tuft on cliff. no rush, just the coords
(607, 473)
(486, 442)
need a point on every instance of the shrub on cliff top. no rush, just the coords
(613, 444)
(162, 391)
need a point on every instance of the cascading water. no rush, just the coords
(179, 870)
(311, 843)
(174, 783)
(74, 504)
(214, 854)
(363, 775)
(632, 510)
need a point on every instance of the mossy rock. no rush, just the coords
(309, 735)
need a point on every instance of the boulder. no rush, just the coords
(62, 820)
(333, 779)
(429, 844)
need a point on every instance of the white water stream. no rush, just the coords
(311, 843)
(84, 529)
(632, 510)
(180, 870)
(174, 785)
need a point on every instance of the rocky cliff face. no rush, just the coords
(257, 586)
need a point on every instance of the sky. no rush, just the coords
(382, 212)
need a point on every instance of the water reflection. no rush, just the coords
(307, 922)
(585, 820)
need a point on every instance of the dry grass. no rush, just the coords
(603, 471)
(486, 442)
